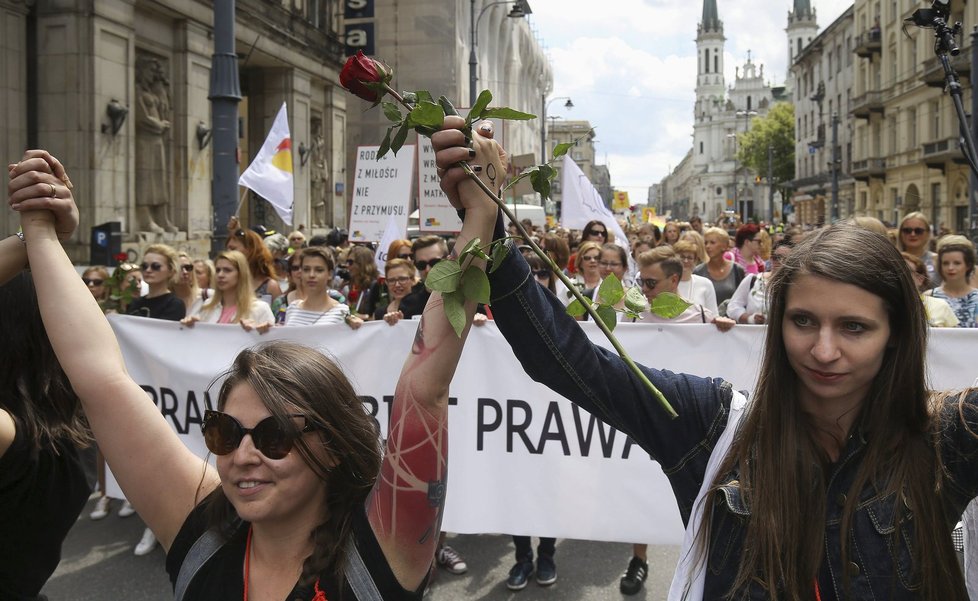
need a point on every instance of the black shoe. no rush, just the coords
(634, 577)
(546, 570)
(519, 575)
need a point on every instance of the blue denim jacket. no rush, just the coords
(555, 351)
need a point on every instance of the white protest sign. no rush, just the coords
(381, 188)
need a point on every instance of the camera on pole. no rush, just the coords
(936, 18)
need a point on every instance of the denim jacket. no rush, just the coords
(555, 351)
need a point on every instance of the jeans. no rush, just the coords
(524, 547)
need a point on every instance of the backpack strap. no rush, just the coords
(363, 585)
(209, 543)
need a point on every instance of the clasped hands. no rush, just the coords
(40, 190)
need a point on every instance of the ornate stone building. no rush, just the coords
(118, 90)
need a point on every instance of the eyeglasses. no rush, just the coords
(421, 265)
(609, 264)
(93, 281)
(599, 233)
(590, 258)
(916, 231)
(543, 274)
(398, 281)
(223, 434)
(154, 266)
(187, 268)
(649, 283)
(295, 267)
(687, 258)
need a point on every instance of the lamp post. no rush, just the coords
(741, 205)
(520, 9)
(543, 122)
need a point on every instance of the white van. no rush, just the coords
(534, 213)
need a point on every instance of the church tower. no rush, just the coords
(710, 88)
(802, 29)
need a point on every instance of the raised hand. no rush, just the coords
(39, 182)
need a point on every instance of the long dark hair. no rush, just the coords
(784, 470)
(36, 391)
(292, 378)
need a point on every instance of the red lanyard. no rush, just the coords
(818, 592)
(319, 596)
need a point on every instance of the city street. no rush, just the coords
(98, 565)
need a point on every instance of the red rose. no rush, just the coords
(360, 70)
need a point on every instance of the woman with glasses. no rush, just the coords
(400, 276)
(614, 260)
(317, 307)
(234, 298)
(913, 236)
(399, 249)
(96, 278)
(694, 288)
(160, 269)
(303, 503)
(747, 249)
(938, 311)
(588, 276)
(261, 264)
(594, 231)
(749, 304)
(187, 288)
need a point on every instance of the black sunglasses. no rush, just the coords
(154, 266)
(649, 283)
(917, 231)
(93, 281)
(187, 268)
(223, 434)
(599, 232)
(421, 265)
(541, 273)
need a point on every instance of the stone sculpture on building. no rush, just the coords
(153, 171)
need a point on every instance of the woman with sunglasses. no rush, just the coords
(595, 231)
(588, 275)
(303, 503)
(160, 272)
(400, 276)
(234, 300)
(913, 236)
(317, 307)
(96, 278)
(187, 288)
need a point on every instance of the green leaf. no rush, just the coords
(399, 138)
(445, 276)
(485, 97)
(522, 176)
(635, 301)
(502, 112)
(385, 145)
(499, 252)
(562, 149)
(608, 315)
(540, 180)
(447, 106)
(391, 111)
(669, 305)
(454, 304)
(472, 248)
(576, 309)
(427, 115)
(424, 96)
(475, 284)
(610, 291)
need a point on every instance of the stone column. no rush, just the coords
(13, 89)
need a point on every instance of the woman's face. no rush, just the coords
(353, 267)
(597, 233)
(295, 272)
(914, 234)
(953, 267)
(315, 274)
(95, 283)
(399, 282)
(689, 260)
(134, 278)
(186, 270)
(835, 336)
(226, 275)
(235, 243)
(265, 490)
(715, 245)
(202, 274)
(778, 256)
(611, 263)
(671, 233)
(156, 269)
(589, 263)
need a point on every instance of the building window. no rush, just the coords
(716, 61)
(935, 122)
(701, 148)
(706, 60)
(912, 128)
(748, 103)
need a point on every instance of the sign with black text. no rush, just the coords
(381, 189)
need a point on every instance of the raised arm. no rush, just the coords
(405, 507)
(157, 472)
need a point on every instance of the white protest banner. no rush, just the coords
(522, 460)
(381, 188)
(391, 233)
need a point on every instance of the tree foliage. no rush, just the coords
(775, 129)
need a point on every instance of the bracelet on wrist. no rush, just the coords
(20, 235)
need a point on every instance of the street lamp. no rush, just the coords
(543, 122)
(520, 9)
(741, 205)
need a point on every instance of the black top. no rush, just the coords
(165, 306)
(413, 304)
(222, 577)
(41, 494)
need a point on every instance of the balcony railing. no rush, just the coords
(865, 169)
(933, 70)
(937, 154)
(865, 104)
(869, 43)
(819, 179)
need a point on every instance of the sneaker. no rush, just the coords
(634, 577)
(101, 509)
(146, 544)
(546, 570)
(519, 575)
(449, 559)
(126, 510)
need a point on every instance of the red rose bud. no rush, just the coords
(361, 70)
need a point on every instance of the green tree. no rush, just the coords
(776, 129)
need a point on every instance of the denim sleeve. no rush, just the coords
(958, 443)
(556, 352)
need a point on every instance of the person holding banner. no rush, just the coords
(844, 474)
(303, 503)
(233, 300)
(261, 264)
(317, 306)
(400, 276)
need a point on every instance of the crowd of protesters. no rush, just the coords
(264, 279)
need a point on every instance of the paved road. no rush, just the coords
(98, 565)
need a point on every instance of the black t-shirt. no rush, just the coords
(413, 304)
(222, 577)
(41, 494)
(165, 306)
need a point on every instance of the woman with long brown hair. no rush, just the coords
(843, 475)
(233, 300)
(261, 264)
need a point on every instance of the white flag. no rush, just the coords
(581, 203)
(393, 232)
(270, 174)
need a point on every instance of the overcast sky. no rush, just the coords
(630, 68)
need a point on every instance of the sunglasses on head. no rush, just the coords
(187, 268)
(223, 434)
(421, 265)
(93, 281)
(154, 266)
(916, 231)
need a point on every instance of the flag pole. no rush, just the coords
(237, 210)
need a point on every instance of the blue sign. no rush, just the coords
(359, 36)
(358, 9)
(102, 239)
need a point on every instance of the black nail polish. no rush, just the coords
(471, 153)
(477, 168)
